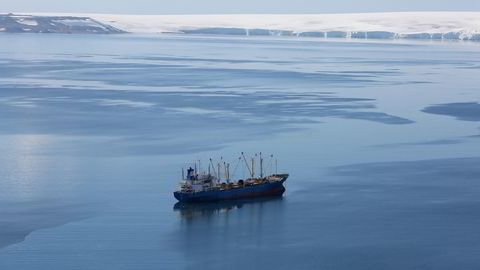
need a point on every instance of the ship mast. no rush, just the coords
(228, 172)
(236, 166)
(226, 167)
(218, 170)
(276, 166)
(225, 171)
(246, 163)
(253, 167)
(213, 168)
(261, 165)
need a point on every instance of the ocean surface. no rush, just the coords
(381, 140)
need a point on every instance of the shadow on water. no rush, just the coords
(465, 111)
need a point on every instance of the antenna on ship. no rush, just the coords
(183, 174)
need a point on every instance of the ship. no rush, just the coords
(217, 184)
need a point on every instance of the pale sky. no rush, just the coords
(232, 6)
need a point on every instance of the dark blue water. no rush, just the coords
(381, 140)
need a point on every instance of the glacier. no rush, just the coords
(388, 25)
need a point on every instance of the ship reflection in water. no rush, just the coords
(218, 228)
(189, 211)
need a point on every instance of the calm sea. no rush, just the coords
(381, 140)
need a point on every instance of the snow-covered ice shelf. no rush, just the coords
(421, 25)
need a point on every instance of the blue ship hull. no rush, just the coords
(260, 190)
